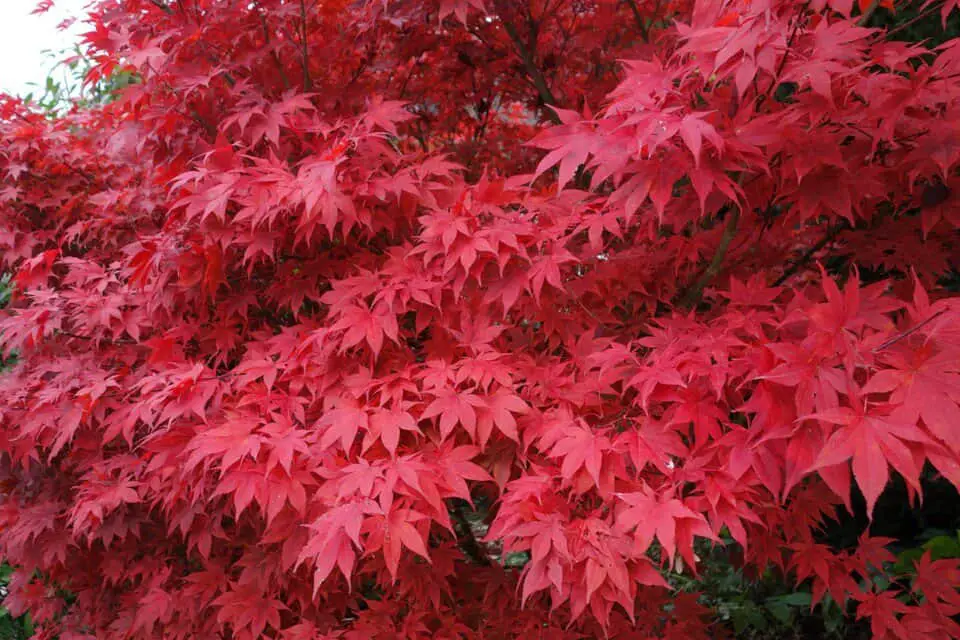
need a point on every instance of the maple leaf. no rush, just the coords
(387, 113)
(35, 271)
(454, 408)
(937, 580)
(499, 411)
(670, 521)
(396, 531)
(693, 131)
(279, 311)
(387, 426)
(871, 442)
(42, 6)
(570, 144)
(334, 536)
(924, 385)
(652, 443)
(342, 423)
(547, 270)
(284, 440)
(882, 609)
(227, 443)
(459, 8)
(578, 447)
(365, 324)
(244, 606)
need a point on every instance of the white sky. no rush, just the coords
(24, 37)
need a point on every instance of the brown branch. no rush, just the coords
(692, 295)
(466, 538)
(866, 15)
(273, 52)
(917, 18)
(163, 7)
(526, 52)
(307, 80)
(809, 253)
(419, 137)
(76, 336)
(775, 82)
(641, 25)
(364, 63)
(203, 122)
(533, 71)
(413, 68)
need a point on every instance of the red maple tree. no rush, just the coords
(621, 277)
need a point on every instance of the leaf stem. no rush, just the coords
(909, 332)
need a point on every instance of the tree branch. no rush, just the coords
(809, 253)
(917, 18)
(163, 7)
(533, 71)
(693, 295)
(307, 80)
(866, 15)
(783, 61)
(641, 25)
(540, 82)
(466, 539)
(909, 332)
(273, 52)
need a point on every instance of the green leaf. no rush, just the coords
(832, 616)
(748, 615)
(943, 547)
(797, 599)
(783, 607)
(907, 559)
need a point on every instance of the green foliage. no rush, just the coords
(66, 87)
(5, 289)
(939, 546)
(764, 607)
(918, 23)
(11, 628)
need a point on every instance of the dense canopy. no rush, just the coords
(477, 318)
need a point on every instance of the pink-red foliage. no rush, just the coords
(638, 274)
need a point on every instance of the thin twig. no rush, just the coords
(466, 539)
(76, 336)
(809, 253)
(909, 332)
(307, 80)
(786, 54)
(526, 53)
(419, 137)
(163, 7)
(693, 295)
(909, 23)
(273, 52)
(866, 15)
(414, 67)
(536, 76)
(641, 25)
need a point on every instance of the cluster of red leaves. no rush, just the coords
(296, 295)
